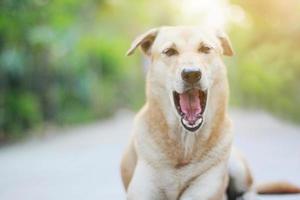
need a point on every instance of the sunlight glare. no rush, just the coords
(213, 13)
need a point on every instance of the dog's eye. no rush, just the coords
(170, 52)
(204, 49)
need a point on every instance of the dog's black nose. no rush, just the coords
(191, 74)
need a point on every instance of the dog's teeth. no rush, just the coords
(185, 122)
(200, 120)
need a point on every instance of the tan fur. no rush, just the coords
(165, 161)
(249, 178)
(128, 164)
(277, 188)
(159, 141)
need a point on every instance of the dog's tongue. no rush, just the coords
(190, 105)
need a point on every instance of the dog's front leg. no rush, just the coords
(144, 184)
(210, 185)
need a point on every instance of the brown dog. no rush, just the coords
(181, 143)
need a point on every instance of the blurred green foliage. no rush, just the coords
(63, 61)
(266, 69)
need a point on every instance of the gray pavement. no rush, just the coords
(82, 163)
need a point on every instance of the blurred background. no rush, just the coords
(63, 68)
(62, 61)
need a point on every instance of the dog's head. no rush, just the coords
(185, 64)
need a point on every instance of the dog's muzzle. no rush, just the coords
(191, 103)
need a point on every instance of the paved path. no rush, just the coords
(82, 163)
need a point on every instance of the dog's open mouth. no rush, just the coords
(191, 105)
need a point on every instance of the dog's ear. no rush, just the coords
(225, 43)
(145, 41)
